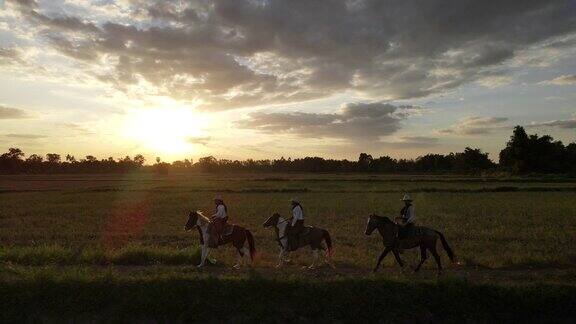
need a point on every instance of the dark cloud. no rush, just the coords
(24, 136)
(475, 125)
(561, 123)
(76, 128)
(235, 53)
(354, 121)
(12, 113)
(202, 140)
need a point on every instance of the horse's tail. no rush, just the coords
(328, 239)
(446, 246)
(251, 246)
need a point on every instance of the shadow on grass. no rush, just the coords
(61, 297)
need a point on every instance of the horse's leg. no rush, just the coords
(437, 258)
(238, 259)
(423, 257)
(203, 255)
(398, 259)
(280, 258)
(245, 254)
(315, 257)
(382, 255)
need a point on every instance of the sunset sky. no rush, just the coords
(265, 79)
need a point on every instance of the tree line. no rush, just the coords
(523, 154)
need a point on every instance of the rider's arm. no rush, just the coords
(220, 212)
(296, 215)
(409, 214)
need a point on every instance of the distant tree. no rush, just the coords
(70, 158)
(35, 159)
(53, 158)
(524, 153)
(365, 161)
(472, 160)
(139, 159)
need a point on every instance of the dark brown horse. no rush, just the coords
(237, 235)
(312, 236)
(422, 237)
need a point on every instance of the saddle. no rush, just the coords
(305, 231)
(297, 239)
(214, 242)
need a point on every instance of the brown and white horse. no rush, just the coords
(423, 237)
(313, 237)
(238, 237)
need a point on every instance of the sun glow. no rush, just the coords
(165, 130)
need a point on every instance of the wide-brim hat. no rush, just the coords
(218, 197)
(406, 198)
(295, 200)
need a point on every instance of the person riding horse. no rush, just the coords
(297, 225)
(219, 219)
(406, 219)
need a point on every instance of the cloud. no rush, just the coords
(202, 140)
(561, 123)
(353, 121)
(563, 80)
(12, 113)
(412, 142)
(231, 53)
(474, 125)
(76, 128)
(25, 136)
(9, 56)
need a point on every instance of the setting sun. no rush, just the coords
(164, 130)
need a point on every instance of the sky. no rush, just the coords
(268, 78)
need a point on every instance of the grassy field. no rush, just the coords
(118, 243)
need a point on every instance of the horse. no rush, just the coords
(238, 236)
(311, 235)
(422, 237)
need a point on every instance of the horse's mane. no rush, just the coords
(201, 215)
(382, 218)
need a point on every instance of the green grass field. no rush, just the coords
(118, 243)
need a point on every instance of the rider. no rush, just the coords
(220, 218)
(406, 219)
(297, 224)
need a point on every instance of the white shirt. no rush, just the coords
(220, 212)
(297, 214)
(409, 217)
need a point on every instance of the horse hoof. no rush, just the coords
(236, 266)
(200, 266)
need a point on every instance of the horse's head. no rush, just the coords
(272, 220)
(192, 220)
(374, 221)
